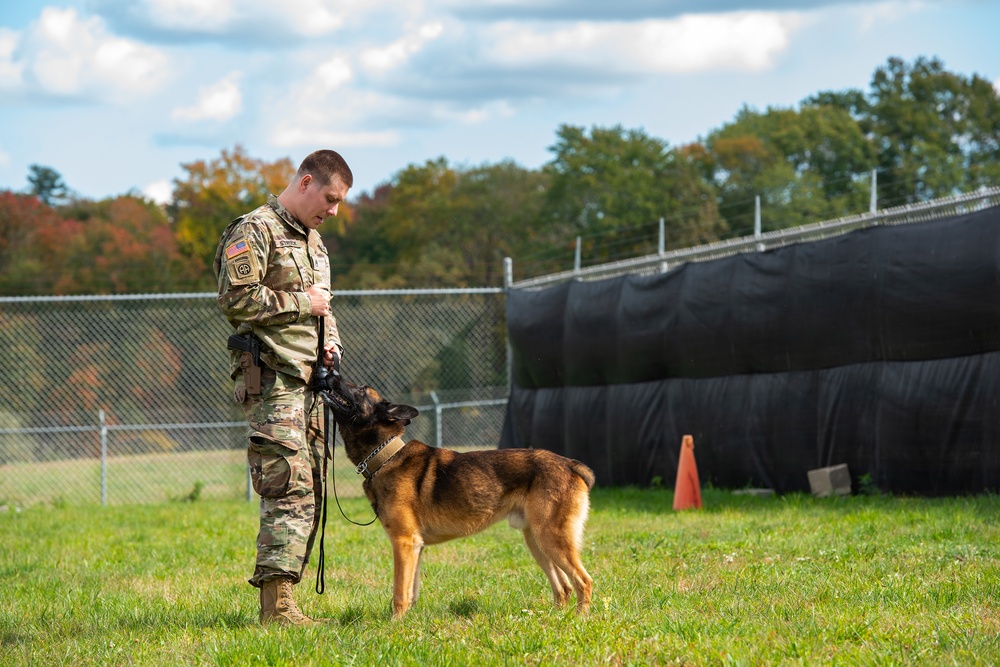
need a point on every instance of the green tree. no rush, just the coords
(500, 216)
(936, 132)
(47, 184)
(935, 129)
(806, 165)
(613, 185)
(435, 225)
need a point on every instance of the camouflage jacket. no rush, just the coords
(265, 262)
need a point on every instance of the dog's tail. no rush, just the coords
(584, 472)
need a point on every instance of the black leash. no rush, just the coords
(319, 381)
(327, 456)
(320, 388)
(337, 498)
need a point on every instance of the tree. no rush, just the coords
(934, 129)
(936, 132)
(47, 184)
(806, 165)
(435, 225)
(118, 246)
(23, 263)
(500, 215)
(213, 194)
(614, 182)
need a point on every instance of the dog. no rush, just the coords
(426, 495)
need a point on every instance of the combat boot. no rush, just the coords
(278, 606)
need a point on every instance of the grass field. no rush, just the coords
(866, 580)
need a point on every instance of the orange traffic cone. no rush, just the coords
(687, 490)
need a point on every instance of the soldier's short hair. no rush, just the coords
(323, 165)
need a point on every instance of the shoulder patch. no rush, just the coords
(242, 263)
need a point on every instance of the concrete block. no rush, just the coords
(833, 480)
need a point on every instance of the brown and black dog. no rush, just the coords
(425, 495)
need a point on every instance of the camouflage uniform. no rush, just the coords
(265, 262)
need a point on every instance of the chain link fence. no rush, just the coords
(127, 399)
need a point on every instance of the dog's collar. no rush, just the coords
(379, 457)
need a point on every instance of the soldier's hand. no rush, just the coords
(320, 299)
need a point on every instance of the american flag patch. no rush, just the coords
(236, 249)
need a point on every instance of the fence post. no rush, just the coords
(437, 419)
(756, 222)
(508, 280)
(756, 217)
(663, 246)
(873, 200)
(104, 457)
(576, 258)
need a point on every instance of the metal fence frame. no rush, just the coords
(663, 261)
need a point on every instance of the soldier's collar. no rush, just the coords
(286, 216)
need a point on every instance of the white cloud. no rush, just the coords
(398, 52)
(886, 12)
(64, 55)
(309, 17)
(11, 72)
(161, 191)
(330, 76)
(242, 19)
(220, 101)
(288, 136)
(691, 43)
(480, 71)
(184, 15)
(323, 111)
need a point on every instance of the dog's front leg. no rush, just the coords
(405, 558)
(416, 576)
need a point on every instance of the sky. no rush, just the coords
(117, 95)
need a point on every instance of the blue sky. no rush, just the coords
(117, 94)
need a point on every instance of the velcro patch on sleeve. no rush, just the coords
(242, 264)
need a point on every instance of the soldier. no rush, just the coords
(274, 285)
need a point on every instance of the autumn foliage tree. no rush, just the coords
(23, 269)
(214, 193)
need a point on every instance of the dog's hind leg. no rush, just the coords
(561, 588)
(561, 543)
(564, 556)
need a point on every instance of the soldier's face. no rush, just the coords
(319, 202)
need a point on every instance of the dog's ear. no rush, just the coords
(403, 413)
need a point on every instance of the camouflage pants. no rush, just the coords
(285, 452)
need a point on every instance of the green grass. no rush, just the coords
(868, 580)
